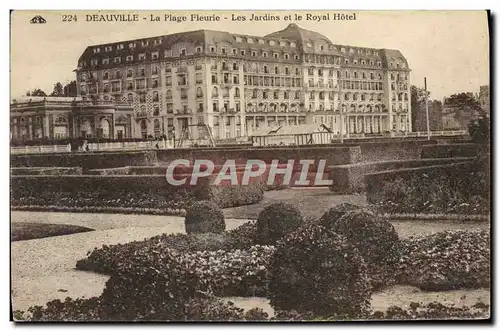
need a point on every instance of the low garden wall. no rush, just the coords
(86, 160)
(449, 150)
(349, 178)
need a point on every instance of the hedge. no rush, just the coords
(142, 191)
(46, 171)
(449, 150)
(86, 160)
(349, 178)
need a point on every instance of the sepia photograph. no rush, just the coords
(250, 166)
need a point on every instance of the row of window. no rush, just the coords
(357, 85)
(400, 96)
(362, 97)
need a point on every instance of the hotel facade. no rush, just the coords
(236, 84)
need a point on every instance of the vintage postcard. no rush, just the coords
(250, 165)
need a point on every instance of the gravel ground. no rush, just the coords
(44, 269)
(400, 295)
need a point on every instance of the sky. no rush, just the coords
(450, 48)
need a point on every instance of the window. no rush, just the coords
(130, 58)
(238, 39)
(142, 56)
(322, 47)
(276, 55)
(297, 71)
(242, 52)
(97, 50)
(261, 41)
(250, 40)
(286, 56)
(264, 95)
(287, 71)
(254, 54)
(183, 51)
(120, 46)
(108, 48)
(154, 56)
(297, 57)
(235, 51)
(264, 54)
(235, 66)
(223, 50)
(105, 61)
(212, 49)
(200, 110)
(236, 92)
(105, 76)
(157, 41)
(199, 92)
(131, 45)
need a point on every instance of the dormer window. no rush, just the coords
(157, 41)
(97, 50)
(131, 45)
(293, 45)
(261, 41)
(271, 42)
(105, 61)
(250, 40)
(238, 39)
(368, 52)
(351, 50)
(309, 45)
(108, 48)
(117, 60)
(120, 46)
(342, 49)
(93, 62)
(282, 43)
(142, 56)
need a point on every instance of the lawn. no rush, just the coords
(26, 231)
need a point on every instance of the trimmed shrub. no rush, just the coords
(376, 240)
(244, 236)
(331, 217)
(203, 217)
(276, 220)
(315, 270)
(479, 129)
(446, 260)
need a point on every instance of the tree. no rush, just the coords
(36, 93)
(70, 89)
(58, 90)
(463, 107)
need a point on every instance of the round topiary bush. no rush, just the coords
(333, 214)
(276, 220)
(203, 217)
(377, 241)
(314, 270)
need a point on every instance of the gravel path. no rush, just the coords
(44, 269)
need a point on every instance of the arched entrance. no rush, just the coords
(85, 129)
(104, 128)
(144, 129)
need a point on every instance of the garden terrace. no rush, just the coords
(449, 150)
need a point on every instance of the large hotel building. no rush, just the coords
(237, 84)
